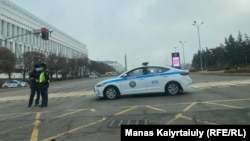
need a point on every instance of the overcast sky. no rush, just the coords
(144, 30)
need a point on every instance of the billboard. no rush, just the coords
(176, 60)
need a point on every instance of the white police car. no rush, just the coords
(145, 79)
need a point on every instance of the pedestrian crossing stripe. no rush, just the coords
(221, 84)
(50, 95)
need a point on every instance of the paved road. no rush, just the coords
(74, 114)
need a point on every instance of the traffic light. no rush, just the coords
(45, 33)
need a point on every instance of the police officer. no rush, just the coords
(44, 84)
(34, 85)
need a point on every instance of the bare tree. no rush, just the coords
(63, 67)
(52, 62)
(32, 57)
(7, 61)
(99, 67)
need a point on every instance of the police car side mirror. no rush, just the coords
(125, 75)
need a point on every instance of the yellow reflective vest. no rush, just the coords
(42, 77)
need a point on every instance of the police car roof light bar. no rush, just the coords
(145, 63)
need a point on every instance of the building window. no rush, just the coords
(17, 30)
(2, 27)
(27, 36)
(13, 30)
(22, 38)
(8, 29)
(30, 36)
(33, 39)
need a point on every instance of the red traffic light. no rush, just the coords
(45, 33)
(43, 30)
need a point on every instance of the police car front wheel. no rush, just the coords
(172, 88)
(111, 92)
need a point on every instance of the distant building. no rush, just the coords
(117, 66)
(16, 21)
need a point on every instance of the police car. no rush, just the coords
(145, 79)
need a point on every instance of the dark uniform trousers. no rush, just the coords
(35, 90)
(34, 87)
(44, 85)
(44, 94)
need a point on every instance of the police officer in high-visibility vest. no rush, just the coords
(34, 85)
(44, 84)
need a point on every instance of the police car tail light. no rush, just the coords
(185, 73)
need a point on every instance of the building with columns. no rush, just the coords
(15, 21)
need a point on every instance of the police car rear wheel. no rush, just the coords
(172, 88)
(111, 93)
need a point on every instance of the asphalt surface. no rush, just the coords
(75, 114)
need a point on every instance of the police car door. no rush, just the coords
(13, 84)
(134, 82)
(154, 81)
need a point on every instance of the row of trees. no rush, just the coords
(66, 67)
(234, 52)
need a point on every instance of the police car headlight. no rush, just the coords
(100, 85)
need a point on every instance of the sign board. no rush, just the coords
(176, 60)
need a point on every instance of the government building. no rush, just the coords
(15, 21)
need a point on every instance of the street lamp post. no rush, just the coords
(198, 26)
(175, 49)
(182, 43)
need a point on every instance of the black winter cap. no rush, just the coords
(43, 65)
(36, 66)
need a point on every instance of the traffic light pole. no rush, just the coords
(36, 32)
(16, 36)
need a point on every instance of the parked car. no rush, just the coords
(14, 83)
(93, 76)
(145, 79)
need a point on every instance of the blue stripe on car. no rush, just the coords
(141, 76)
